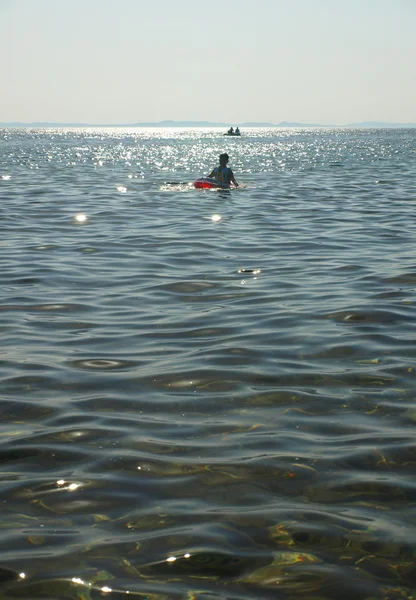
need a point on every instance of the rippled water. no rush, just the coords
(207, 394)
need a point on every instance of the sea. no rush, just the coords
(207, 394)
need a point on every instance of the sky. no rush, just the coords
(128, 61)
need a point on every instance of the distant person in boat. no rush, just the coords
(230, 131)
(237, 131)
(223, 174)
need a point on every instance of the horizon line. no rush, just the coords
(173, 123)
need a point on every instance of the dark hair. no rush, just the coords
(224, 157)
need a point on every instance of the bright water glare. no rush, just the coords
(207, 393)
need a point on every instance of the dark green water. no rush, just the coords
(207, 394)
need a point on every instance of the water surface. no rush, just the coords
(207, 394)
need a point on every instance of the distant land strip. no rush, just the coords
(364, 124)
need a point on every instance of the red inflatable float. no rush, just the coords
(207, 183)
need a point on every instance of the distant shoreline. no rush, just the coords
(283, 124)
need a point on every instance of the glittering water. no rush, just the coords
(207, 393)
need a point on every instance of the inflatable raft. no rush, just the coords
(207, 183)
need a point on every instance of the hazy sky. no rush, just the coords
(124, 61)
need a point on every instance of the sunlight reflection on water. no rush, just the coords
(207, 392)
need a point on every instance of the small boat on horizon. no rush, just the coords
(232, 132)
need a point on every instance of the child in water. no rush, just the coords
(223, 174)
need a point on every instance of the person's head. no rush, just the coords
(224, 158)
